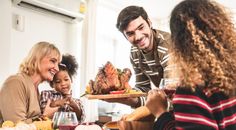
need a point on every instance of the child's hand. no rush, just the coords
(60, 102)
(68, 96)
(72, 104)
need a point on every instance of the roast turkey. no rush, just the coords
(109, 79)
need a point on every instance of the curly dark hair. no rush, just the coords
(204, 44)
(68, 64)
(128, 14)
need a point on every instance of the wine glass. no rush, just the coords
(55, 120)
(168, 86)
(65, 120)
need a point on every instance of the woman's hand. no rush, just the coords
(49, 111)
(157, 102)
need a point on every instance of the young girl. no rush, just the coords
(61, 95)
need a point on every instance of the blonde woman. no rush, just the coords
(19, 94)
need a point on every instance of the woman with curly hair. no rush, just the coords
(204, 49)
(60, 97)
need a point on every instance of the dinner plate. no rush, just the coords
(112, 96)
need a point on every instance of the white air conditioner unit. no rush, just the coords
(50, 9)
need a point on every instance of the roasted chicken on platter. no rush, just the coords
(109, 79)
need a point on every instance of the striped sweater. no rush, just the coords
(151, 66)
(54, 95)
(196, 111)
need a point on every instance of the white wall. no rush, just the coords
(37, 27)
(5, 39)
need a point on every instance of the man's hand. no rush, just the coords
(133, 102)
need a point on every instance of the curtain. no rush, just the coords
(88, 58)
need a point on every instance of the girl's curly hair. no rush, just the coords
(204, 44)
(68, 64)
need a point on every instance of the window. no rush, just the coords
(111, 46)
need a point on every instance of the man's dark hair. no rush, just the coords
(128, 14)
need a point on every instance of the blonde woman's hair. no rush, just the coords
(30, 64)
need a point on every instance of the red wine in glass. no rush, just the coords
(169, 92)
(67, 127)
(165, 85)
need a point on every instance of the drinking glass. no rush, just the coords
(55, 120)
(65, 120)
(168, 86)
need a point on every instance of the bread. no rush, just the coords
(139, 114)
(111, 125)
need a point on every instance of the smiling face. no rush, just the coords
(62, 82)
(138, 33)
(48, 67)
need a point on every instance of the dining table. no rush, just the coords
(129, 125)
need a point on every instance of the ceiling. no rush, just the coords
(159, 9)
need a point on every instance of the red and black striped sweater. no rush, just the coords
(196, 111)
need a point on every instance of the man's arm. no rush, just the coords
(164, 53)
(142, 82)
